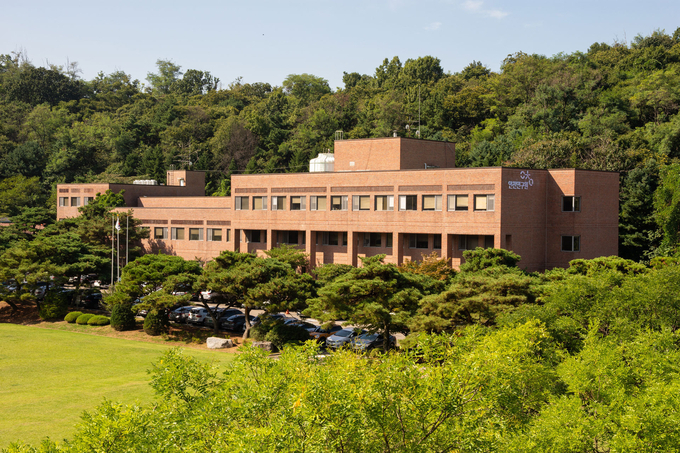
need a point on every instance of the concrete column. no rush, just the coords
(352, 248)
(398, 247)
(446, 246)
(310, 247)
(271, 243)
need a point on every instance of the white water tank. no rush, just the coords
(323, 162)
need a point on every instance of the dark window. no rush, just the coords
(160, 233)
(288, 237)
(388, 240)
(408, 202)
(297, 203)
(339, 203)
(488, 241)
(437, 241)
(418, 241)
(571, 243)
(372, 239)
(253, 235)
(468, 242)
(571, 204)
(278, 203)
(195, 234)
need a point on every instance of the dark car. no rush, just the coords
(180, 314)
(237, 323)
(91, 299)
(342, 338)
(370, 341)
(222, 315)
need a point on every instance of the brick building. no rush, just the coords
(394, 196)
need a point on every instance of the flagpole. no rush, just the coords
(118, 249)
(127, 239)
(113, 243)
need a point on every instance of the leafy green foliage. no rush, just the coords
(55, 305)
(99, 320)
(84, 318)
(483, 258)
(72, 316)
(122, 317)
(156, 322)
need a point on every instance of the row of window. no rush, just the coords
(484, 202)
(194, 234)
(74, 201)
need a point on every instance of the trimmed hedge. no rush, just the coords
(155, 324)
(122, 317)
(72, 316)
(55, 305)
(84, 318)
(99, 320)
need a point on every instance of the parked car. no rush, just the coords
(320, 334)
(272, 316)
(342, 337)
(41, 290)
(180, 314)
(91, 299)
(308, 326)
(236, 323)
(183, 290)
(370, 341)
(197, 315)
(208, 295)
(222, 314)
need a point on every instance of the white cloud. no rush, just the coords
(477, 6)
(433, 26)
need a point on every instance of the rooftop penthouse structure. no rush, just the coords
(395, 196)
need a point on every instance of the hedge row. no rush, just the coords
(87, 319)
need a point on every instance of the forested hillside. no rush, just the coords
(611, 107)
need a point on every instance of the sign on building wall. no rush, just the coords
(526, 182)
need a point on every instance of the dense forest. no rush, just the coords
(613, 107)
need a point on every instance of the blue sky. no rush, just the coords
(265, 40)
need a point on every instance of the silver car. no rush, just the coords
(197, 315)
(342, 338)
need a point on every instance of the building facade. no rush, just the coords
(400, 197)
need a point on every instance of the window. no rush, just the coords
(418, 241)
(228, 235)
(408, 202)
(75, 201)
(436, 241)
(288, 237)
(63, 201)
(361, 202)
(160, 233)
(215, 234)
(432, 202)
(278, 203)
(571, 243)
(298, 203)
(571, 204)
(384, 202)
(177, 234)
(468, 242)
(317, 203)
(241, 203)
(484, 202)
(259, 203)
(195, 234)
(458, 202)
(488, 241)
(253, 236)
(388, 240)
(339, 203)
(372, 239)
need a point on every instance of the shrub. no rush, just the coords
(55, 305)
(72, 316)
(156, 322)
(99, 320)
(122, 317)
(84, 318)
(281, 334)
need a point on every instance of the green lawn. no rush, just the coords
(49, 377)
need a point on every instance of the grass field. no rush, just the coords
(49, 377)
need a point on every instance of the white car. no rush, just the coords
(197, 315)
(208, 294)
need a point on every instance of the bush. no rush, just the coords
(122, 317)
(72, 316)
(84, 318)
(55, 305)
(99, 320)
(281, 334)
(156, 322)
